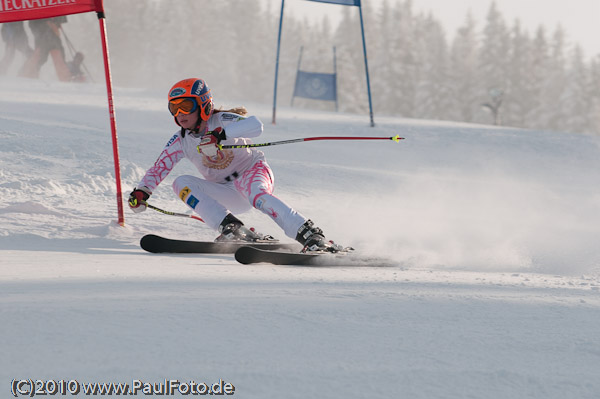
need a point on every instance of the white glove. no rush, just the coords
(208, 146)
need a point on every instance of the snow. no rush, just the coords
(490, 286)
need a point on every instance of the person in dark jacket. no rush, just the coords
(15, 38)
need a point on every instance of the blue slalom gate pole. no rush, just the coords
(362, 28)
(277, 61)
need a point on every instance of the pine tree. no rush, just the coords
(492, 68)
(351, 75)
(463, 72)
(540, 64)
(595, 95)
(405, 64)
(433, 95)
(576, 98)
(518, 93)
(554, 84)
(382, 60)
(251, 54)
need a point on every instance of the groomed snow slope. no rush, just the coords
(489, 288)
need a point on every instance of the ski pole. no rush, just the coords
(396, 138)
(185, 215)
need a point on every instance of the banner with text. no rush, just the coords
(21, 10)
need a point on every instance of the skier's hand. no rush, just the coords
(219, 133)
(137, 199)
(209, 145)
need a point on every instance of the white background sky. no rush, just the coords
(579, 18)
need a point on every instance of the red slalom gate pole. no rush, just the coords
(111, 111)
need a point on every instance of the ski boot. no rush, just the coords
(232, 229)
(313, 239)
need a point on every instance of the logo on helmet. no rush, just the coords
(178, 91)
(197, 88)
(204, 98)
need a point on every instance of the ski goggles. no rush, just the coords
(183, 105)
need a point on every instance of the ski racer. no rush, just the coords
(234, 180)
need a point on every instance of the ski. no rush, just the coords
(248, 255)
(157, 244)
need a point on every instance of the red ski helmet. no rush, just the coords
(197, 90)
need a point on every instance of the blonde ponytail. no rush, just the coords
(237, 110)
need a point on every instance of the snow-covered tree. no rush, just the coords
(463, 72)
(434, 94)
(577, 96)
(554, 84)
(415, 71)
(493, 62)
(518, 95)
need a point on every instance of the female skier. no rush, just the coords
(235, 180)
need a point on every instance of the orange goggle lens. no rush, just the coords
(183, 105)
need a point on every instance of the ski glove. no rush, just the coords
(137, 199)
(219, 133)
(209, 145)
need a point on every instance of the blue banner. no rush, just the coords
(342, 2)
(318, 86)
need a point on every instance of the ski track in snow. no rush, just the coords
(486, 284)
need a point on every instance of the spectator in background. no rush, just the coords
(46, 33)
(13, 34)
